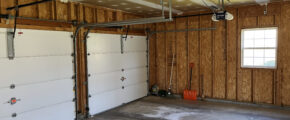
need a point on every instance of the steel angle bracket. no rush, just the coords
(10, 44)
(124, 37)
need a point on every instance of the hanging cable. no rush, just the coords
(213, 10)
(15, 19)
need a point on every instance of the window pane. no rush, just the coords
(270, 62)
(259, 47)
(259, 53)
(248, 61)
(249, 34)
(259, 34)
(270, 53)
(270, 33)
(249, 53)
(248, 43)
(259, 61)
(270, 42)
(259, 43)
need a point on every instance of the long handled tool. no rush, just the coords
(189, 94)
(169, 92)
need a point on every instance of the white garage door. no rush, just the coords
(39, 78)
(107, 66)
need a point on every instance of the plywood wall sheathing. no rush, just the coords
(219, 80)
(217, 56)
(285, 54)
(161, 57)
(181, 55)
(170, 53)
(232, 57)
(194, 52)
(206, 55)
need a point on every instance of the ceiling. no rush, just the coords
(153, 7)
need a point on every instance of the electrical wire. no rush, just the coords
(213, 10)
(15, 19)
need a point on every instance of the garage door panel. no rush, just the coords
(134, 92)
(3, 44)
(42, 73)
(104, 43)
(136, 75)
(135, 43)
(60, 111)
(100, 83)
(105, 64)
(41, 43)
(132, 60)
(37, 95)
(105, 101)
(6, 94)
(101, 63)
(30, 70)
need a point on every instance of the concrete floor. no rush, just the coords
(156, 108)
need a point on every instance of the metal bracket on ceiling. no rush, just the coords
(10, 44)
(266, 9)
(124, 38)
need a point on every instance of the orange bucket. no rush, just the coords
(189, 94)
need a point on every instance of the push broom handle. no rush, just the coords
(191, 67)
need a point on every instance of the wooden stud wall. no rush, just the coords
(216, 55)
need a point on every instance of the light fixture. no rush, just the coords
(222, 15)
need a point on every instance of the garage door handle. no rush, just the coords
(123, 78)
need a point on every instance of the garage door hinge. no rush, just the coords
(87, 108)
(89, 75)
(14, 115)
(85, 83)
(74, 100)
(90, 96)
(12, 86)
(73, 77)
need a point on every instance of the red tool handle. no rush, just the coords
(191, 65)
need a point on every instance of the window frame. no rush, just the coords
(276, 48)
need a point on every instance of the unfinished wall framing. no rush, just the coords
(216, 55)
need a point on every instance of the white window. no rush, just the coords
(259, 48)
